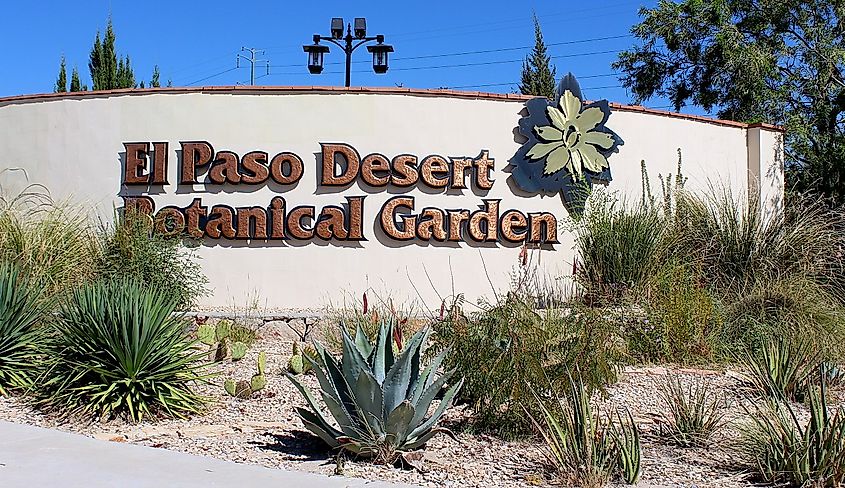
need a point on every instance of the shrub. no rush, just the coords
(52, 244)
(695, 413)
(22, 308)
(584, 447)
(379, 402)
(133, 248)
(505, 347)
(783, 450)
(682, 318)
(782, 368)
(618, 245)
(118, 349)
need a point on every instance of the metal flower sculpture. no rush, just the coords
(567, 146)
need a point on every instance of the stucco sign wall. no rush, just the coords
(299, 195)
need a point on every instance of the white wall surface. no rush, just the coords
(73, 147)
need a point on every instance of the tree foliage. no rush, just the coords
(753, 60)
(108, 70)
(538, 77)
(61, 81)
(155, 82)
(75, 84)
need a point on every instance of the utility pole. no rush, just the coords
(252, 60)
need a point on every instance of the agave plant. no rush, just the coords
(791, 452)
(379, 401)
(21, 309)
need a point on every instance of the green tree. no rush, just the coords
(538, 77)
(61, 82)
(778, 61)
(107, 73)
(155, 83)
(75, 85)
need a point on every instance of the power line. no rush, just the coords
(486, 25)
(484, 51)
(465, 65)
(516, 82)
(511, 21)
(211, 76)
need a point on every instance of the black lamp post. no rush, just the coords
(350, 43)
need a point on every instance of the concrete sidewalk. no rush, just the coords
(36, 457)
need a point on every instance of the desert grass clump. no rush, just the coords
(695, 413)
(508, 345)
(51, 243)
(586, 448)
(23, 309)
(119, 349)
(618, 245)
(784, 450)
(740, 243)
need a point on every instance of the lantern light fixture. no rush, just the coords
(348, 43)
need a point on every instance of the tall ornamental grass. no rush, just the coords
(118, 349)
(618, 245)
(740, 245)
(51, 243)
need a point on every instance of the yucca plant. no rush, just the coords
(787, 451)
(118, 348)
(781, 368)
(695, 413)
(379, 402)
(22, 307)
(585, 447)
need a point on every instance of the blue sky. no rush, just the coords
(196, 43)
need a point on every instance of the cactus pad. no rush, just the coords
(295, 364)
(262, 362)
(257, 382)
(229, 386)
(207, 334)
(222, 330)
(238, 350)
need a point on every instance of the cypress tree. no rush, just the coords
(61, 82)
(538, 77)
(107, 73)
(75, 85)
(155, 83)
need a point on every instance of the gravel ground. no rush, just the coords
(264, 430)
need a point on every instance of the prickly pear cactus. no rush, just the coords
(222, 330)
(262, 362)
(207, 334)
(229, 386)
(237, 350)
(295, 364)
(257, 382)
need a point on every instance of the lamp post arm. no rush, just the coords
(362, 42)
